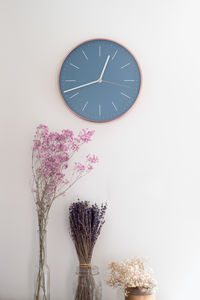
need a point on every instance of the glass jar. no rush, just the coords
(42, 273)
(87, 285)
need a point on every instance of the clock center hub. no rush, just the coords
(100, 80)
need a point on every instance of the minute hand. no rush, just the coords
(101, 76)
(80, 86)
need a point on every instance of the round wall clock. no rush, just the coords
(100, 80)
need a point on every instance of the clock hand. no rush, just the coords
(104, 68)
(115, 83)
(80, 86)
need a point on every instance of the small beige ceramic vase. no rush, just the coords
(137, 294)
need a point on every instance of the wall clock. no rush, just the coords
(100, 80)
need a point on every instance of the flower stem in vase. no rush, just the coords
(86, 285)
(42, 286)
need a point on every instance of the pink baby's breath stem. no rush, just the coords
(63, 192)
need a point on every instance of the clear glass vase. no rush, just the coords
(42, 273)
(87, 285)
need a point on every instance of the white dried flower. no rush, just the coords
(132, 273)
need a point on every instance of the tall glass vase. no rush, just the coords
(42, 273)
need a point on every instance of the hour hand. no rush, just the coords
(80, 86)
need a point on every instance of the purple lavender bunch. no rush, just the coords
(86, 221)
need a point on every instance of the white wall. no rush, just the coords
(149, 168)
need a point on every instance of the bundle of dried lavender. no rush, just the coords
(86, 221)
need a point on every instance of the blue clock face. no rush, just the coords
(100, 80)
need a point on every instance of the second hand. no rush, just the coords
(115, 83)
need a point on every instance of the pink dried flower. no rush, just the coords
(85, 135)
(51, 156)
(90, 167)
(79, 167)
(92, 158)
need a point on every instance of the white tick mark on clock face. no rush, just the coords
(125, 95)
(99, 110)
(73, 95)
(129, 80)
(114, 106)
(86, 103)
(125, 65)
(84, 54)
(114, 54)
(74, 65)
(99, 50)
